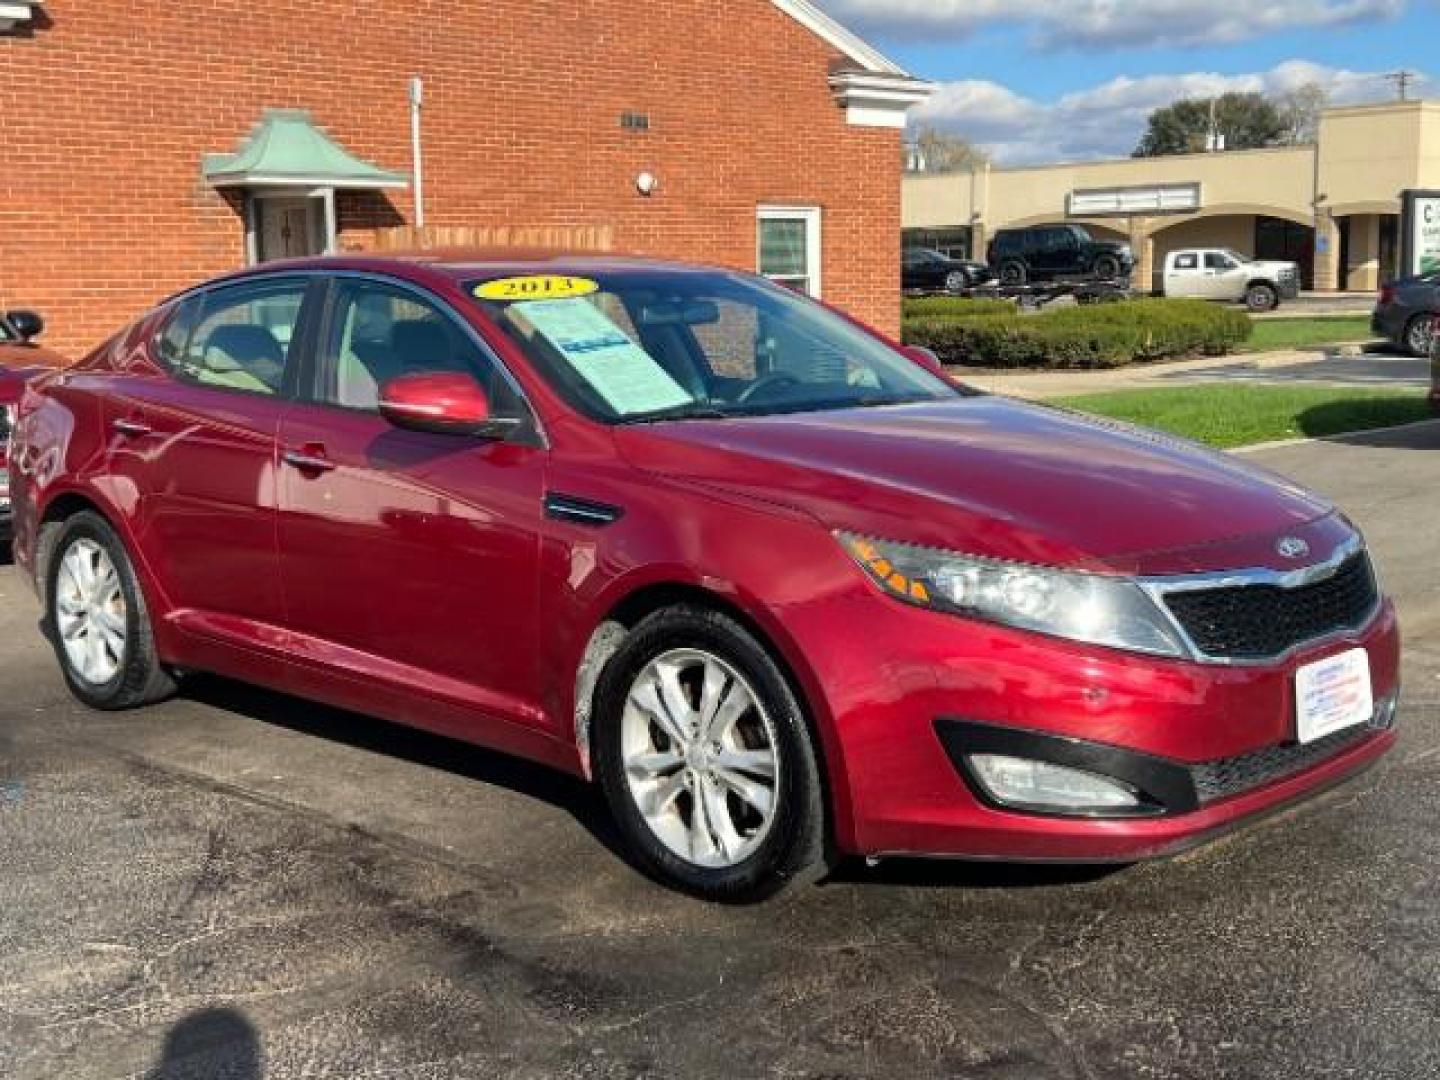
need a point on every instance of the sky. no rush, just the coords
(1059, 80)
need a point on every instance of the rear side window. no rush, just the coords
(1185, 262)
(1007, 242)
(234, 338)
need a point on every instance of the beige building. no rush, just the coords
(1332, 207)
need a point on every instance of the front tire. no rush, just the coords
(705, 758)
(96, 618)
(1107, 268)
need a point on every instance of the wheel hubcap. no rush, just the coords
(700, 758)
(90, 612)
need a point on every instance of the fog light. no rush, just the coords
(1039, 785)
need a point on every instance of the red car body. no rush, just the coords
(469, 589)
(20, 361)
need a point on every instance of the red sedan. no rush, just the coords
(20, 360)
(777, 585)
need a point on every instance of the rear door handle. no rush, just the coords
(309, 460)
(131, 428)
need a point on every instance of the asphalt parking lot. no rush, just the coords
(237, 885)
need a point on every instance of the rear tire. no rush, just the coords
(956, 282)
(1014, 273)
(729, 808)
(97, 621)
(1262, 298)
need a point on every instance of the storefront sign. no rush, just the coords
(1420, 232)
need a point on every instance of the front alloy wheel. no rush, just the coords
(706, 759)
(700, 758)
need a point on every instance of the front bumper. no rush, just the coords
(1221, 733)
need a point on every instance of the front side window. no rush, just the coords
(378, 332)
(236, 337)
(789, 244)
(1214, 260)
(629, 346)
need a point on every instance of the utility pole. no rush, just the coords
(1402, 80)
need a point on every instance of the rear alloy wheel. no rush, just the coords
(98, 621)
(956, 281)
(1262, 298)
(1013, 273)
(1419, 335)
(705, 758)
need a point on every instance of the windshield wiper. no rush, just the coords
(690, 411)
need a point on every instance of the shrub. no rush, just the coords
(956, 307)
(1083, 336)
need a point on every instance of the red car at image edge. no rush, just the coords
(20, 360)
(781, 588)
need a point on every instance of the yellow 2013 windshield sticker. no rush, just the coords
(536, 287)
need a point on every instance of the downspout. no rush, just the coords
(417, 97)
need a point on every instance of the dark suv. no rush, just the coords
(1048, 252)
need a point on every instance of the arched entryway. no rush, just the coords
(1258, 232)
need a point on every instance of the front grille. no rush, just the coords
(1237, 775)
(1253, 622)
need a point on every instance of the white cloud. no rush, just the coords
(1107, 120)
(1065, 24)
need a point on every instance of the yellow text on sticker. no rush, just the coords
(536, 287)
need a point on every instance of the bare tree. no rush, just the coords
(1300, 109)
(936, 151)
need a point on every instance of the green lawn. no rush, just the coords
(1307, 333)
(1229, 416)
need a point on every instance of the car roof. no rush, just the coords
(466, 263)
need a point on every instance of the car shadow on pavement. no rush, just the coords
(971, 874)
(580, 800)
(218, 1043)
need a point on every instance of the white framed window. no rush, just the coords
(788, 246)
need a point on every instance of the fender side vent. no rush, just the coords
(581, 511)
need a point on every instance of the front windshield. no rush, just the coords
(630, 346)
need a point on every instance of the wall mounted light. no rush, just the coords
(647, 183)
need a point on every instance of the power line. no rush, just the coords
(1402, 80)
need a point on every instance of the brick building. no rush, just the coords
(147, 146)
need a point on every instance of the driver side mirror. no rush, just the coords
(442, 403)
(26, 323)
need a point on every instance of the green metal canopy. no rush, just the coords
(287, 149)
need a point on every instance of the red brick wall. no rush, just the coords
(106, 111)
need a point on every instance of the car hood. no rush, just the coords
(17, 357)
(995, 477)
(1272, 266)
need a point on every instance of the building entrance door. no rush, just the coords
(289, 228)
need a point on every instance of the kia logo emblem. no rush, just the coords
(1292, 547)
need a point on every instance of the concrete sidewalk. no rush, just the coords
(1307, 366)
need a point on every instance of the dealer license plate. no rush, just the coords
(1333, 694)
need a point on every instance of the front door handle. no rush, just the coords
(131, 429)
(310, 460)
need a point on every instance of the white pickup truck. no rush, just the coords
(1225, 274)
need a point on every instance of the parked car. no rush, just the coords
(772, 581)
(1404, 311)
(20, 359)
(1225, 274)
(926, 270)
(1048, 252)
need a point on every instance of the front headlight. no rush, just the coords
(1093, 608)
